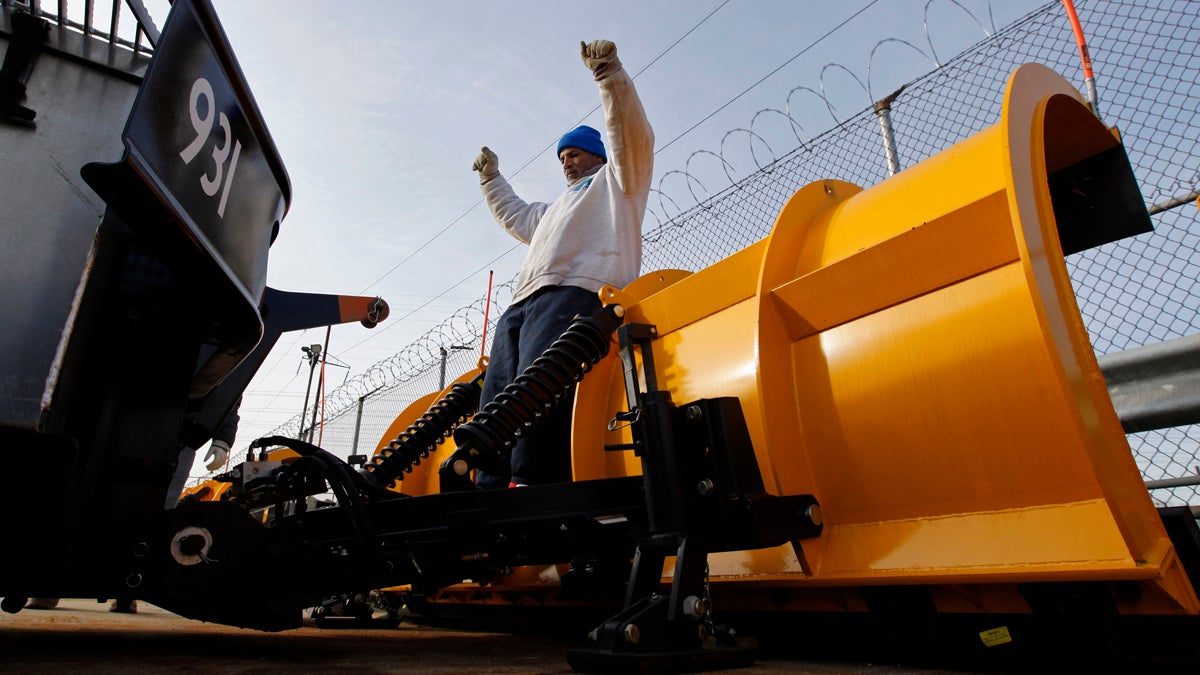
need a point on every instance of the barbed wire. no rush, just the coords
(822, 93)
(462, 328)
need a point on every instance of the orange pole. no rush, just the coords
(1084, 58)
(486, 312)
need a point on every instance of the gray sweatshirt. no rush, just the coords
(591, 235)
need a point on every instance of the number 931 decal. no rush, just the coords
(225, 147)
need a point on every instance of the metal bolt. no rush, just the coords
(461, 467)
(694, 606)
(814, 514)
(694, 413)
(140, 549)
(632, 634)
(704, 487)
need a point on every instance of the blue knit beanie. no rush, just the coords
(585, 138)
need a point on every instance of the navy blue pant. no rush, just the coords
(524, 331)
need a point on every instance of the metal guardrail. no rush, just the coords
(1175, 202)
(1156, 386)
(1164, 483)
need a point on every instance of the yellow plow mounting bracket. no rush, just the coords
(912, 355)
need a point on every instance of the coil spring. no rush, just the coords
(421, 437)
(542, 386)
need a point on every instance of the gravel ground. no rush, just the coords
(83, 636)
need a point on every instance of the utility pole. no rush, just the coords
(320, 400)
(313, 354)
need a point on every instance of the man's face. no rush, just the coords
(576, 163)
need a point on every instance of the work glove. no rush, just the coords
(487, 164)
(600, 56)
(218, 452)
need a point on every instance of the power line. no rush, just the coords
(428, 242)
(536, 155)
(396, 321)
(798, 54)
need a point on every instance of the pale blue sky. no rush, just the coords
(379, 108)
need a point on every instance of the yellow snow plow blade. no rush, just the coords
(912, 355)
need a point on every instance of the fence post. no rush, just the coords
(358, 420)
(444, 353)
(883, 110)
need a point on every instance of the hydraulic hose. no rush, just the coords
(536, 391)
(345, 484)
(421, 437)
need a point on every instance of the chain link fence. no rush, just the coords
(1146, 55)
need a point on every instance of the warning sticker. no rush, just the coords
(995, 636)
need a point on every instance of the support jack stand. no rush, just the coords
(664, 633)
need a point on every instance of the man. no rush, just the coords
(587, 238)
(218, 453)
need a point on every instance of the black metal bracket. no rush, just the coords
(704, 494)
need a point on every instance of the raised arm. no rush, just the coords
(518, 217)
(631, 140)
